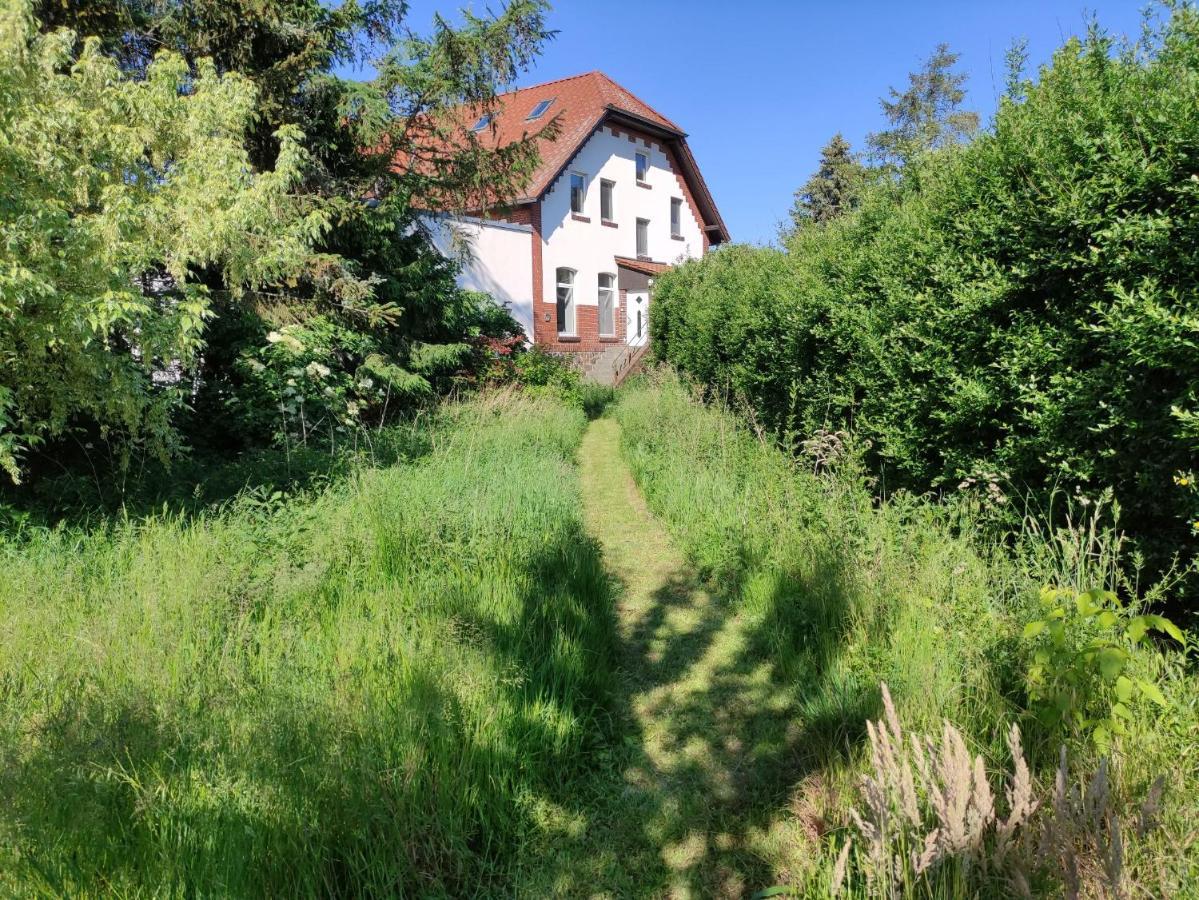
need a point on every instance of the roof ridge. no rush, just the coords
(544, 84)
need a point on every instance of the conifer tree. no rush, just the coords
(926, 116)
(833, 189)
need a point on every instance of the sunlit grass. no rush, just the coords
(364, 691)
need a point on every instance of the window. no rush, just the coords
(607, 304)
(642, 166)
(642, 237)
(578, 192)
(566, 301)
(607, 210)
(539, 109)
(483, 122)
(676, 217)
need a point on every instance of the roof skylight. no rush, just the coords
(483, 122)
(539, 109)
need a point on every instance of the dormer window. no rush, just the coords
(484, 121)
(578, 192)
(539, 109)
(642, 167)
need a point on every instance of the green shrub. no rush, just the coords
(1084, 643)
(1022, 306)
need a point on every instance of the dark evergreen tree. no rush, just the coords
(926, 116)
(833, 189)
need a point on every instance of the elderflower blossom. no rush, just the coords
(316, 370)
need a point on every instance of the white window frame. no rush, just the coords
(610, 186)
(640, 155)
(567, 310)
(582, 194)
(676, 217)
(611, 292)
(637, 238)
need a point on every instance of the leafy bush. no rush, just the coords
(1084, 643)
(1023, 305)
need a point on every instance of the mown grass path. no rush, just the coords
(690, 805)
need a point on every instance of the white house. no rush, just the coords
(616, 200)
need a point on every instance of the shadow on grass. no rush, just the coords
(85, 490)
(389, 778)
(728, 703)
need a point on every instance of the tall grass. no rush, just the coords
(365, 691)
(845, 593)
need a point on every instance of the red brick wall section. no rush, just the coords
(542, 330)
(587, 326)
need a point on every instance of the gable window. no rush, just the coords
(483, 122)
(566, 301)
(607, 304)
(607, 208)
(642, 237)
(539, 109)
(676, 217)
(578, 192)
(642, 166)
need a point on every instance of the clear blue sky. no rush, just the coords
(761, 86)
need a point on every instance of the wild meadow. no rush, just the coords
(362, 690)
(844, 593)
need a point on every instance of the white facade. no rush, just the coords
(589, 247)
(496, 257)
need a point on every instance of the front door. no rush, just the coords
(637, 324)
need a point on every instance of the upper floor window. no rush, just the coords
(642, 237)
(642, 166)
(607, 304)
(484, 121)
(578, 192)
(566, 301)
(607, 198)
(539, 109)
(676, 217)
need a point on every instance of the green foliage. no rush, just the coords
(839, 590)
(1023, 305)
(234, 159)
(111, 183)
(366, 690)
(927, 115)
(1083, 645)
(834, 189)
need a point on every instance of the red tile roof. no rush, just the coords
(644, 266)
(580, 104)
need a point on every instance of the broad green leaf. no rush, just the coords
(1124, 688)
(1119, 709)
(1111, 662)
(1032, 629)
(1151, 690)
